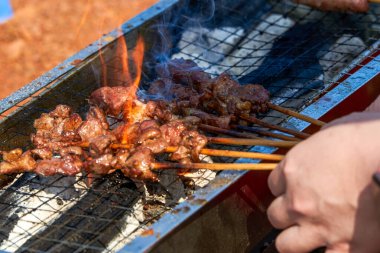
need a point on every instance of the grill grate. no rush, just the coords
(295, 52)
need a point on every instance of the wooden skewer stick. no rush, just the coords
(219, 130)
(265, 133)
(210, 152)
(275, 127)
(252, 142)
(374, 1)
(296, 114)
(216, 166)
(231, 153)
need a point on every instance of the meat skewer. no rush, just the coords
(195, 93)
(216, 166)
(218, 130)
(209, 152)
(296, 115)
(265, 133)
(252, 142)
(275, 127)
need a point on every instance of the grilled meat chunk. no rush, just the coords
(15, 161)
(209, 119)
(94, 126)
(68, 165)
(138, 165)
(185, 72)
(57, 128)
(111, 99)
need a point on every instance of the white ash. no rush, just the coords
(339, 55)
(129, 229)
(41, 203)
(208, 47)
(257, 45)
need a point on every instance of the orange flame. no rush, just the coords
(131, 110)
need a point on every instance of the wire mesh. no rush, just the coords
(296, 52)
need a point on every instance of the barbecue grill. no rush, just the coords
(311, 61)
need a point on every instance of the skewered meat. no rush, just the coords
(68, 165)
(190, 96)
(100, 165)
(101, 144)
(138, 165)
(184, 72)
(55, 129)
(111, 99)
(222, 121)
(94, 126)
(43, 153)
(15, 161)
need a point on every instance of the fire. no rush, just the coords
(137, 59)
(132, 108)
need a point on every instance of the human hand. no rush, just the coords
(325, 195)
(337, 5)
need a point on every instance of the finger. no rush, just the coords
(299, 239)
(279, 215)
(276, 180)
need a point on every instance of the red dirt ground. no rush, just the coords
(41, 34)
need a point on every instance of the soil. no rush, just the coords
(41, 34)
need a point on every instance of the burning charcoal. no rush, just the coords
(15, 161)
(68, 165)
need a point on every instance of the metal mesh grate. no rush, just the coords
(295, 52)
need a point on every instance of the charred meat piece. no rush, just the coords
(138, 165)
(127, 133)
(191, 144)
(161, 88)
(43, 153)
(100, 165)
(71, 150)
(95, 125)
(161, 110)
(55, 129)
(68, 165)
(185, 72)
(256, 94)
(101, 144)
(111, 99)
(209, 119)
(239, 99)
(15, 161)
(172, 132)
